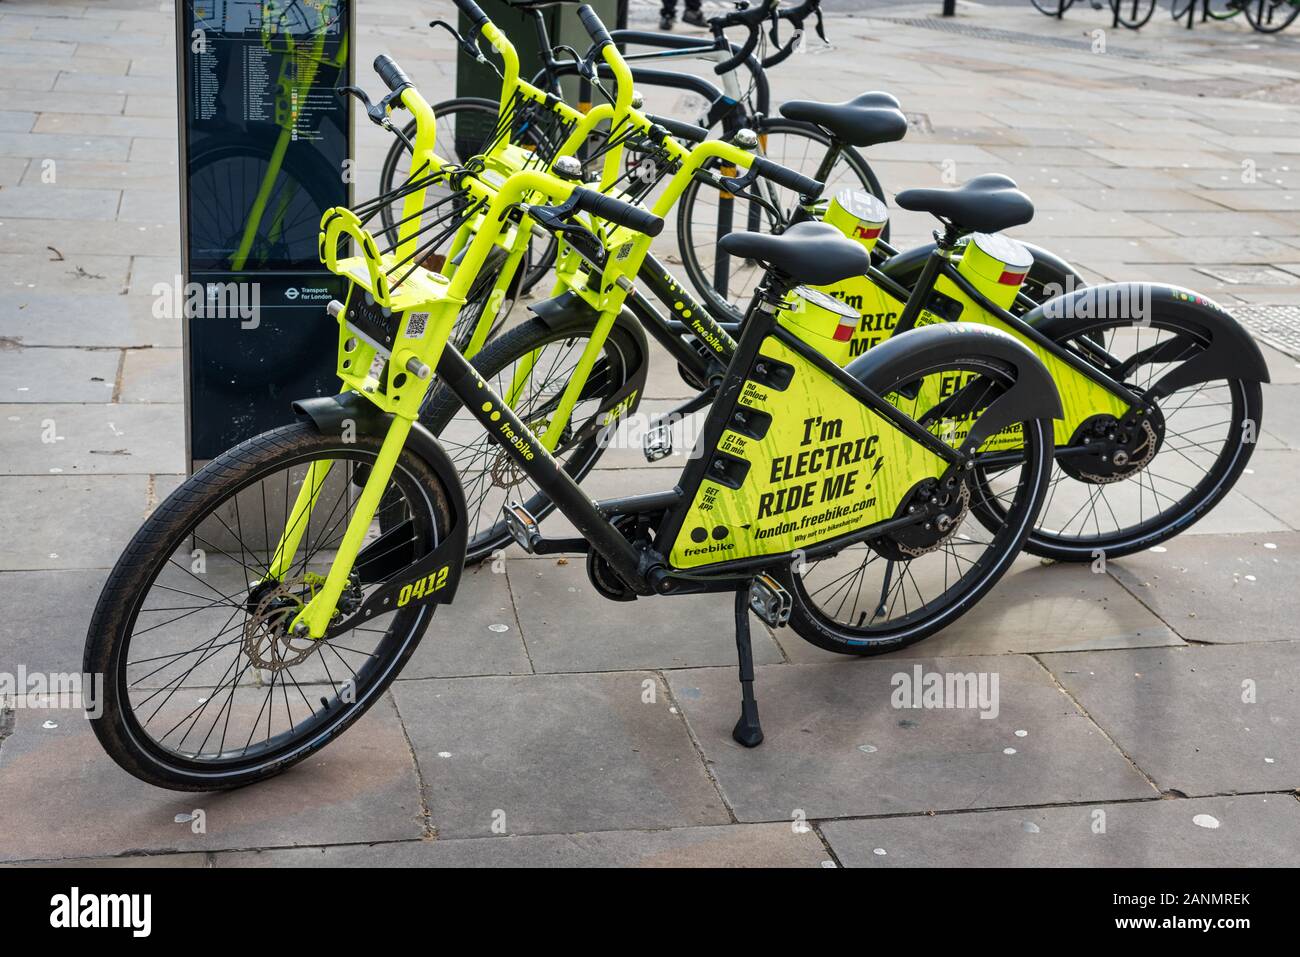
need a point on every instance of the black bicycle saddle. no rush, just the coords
(810, 252)
(862, 121)
(985, 204)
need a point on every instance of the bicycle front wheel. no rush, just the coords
(204, 687)
(704, 215)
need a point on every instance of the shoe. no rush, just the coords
(695, 18)
(665, 23)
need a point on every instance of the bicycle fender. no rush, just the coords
(1232, 352)
(435, 577)
(1032, 396)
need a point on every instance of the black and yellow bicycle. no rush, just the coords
(267, 603)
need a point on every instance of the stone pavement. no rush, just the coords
(1149, 715)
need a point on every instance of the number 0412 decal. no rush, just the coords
(423, 586)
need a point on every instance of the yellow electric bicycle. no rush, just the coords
(268, 602)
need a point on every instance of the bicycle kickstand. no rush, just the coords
(747, 730)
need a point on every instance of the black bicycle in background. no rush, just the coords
(1264, 16)
(739, 100)
(1127, 13)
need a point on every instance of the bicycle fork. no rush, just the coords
(315, 617)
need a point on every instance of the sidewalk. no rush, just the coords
(1123, 737)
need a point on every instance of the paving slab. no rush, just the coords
(1035, 608)
(1278, 419)
(158, 175)
(58, 375)
(1186, 715)
(1269, 482)
(1246, 831)
(86, 238)
(153, 375)
(1220, 589)
(554, 753)
(64, 797)
(1283, 369)
(836, 746)
(63, 201)
(91, 439)
(64, 146)
(71, 521)
(568, 626)
(734, 845)
(129, 861)
(44, 628)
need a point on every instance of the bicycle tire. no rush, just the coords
(1179, 510)
(174, 526)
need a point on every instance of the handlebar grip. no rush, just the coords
(683, 131)
(750, 42)
(783, 176)
(473, 11)
(781, 55)
(595, 28)
(616, 211)
(394, 76)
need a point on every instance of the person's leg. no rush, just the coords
(693, 14)
(668, 13)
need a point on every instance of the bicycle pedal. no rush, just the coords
(657, 443)
(523, 527)
(769, 601)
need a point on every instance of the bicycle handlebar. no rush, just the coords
(394, 76)
(595, 29)
(473, 11)
(615, 211)
(783, 176)
(688, 132)
(796, 15)
(751, 19)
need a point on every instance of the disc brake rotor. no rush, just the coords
(1112, 450)
(267, 640)
(945, 508)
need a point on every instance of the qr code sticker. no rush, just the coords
(415, 323)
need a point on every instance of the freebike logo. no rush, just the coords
(76, 910)
(53, 691)
(720, 543)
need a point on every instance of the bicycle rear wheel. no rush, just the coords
(890, 592)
